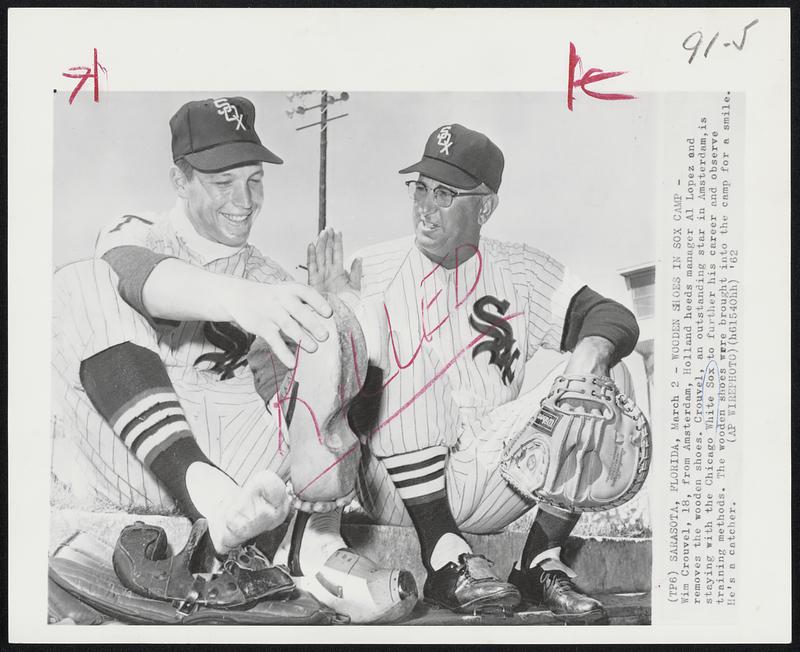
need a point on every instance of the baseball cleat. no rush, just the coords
(550, 585)
(470, 586)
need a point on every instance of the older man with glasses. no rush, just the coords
(451, 320)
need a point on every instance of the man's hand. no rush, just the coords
(592, 355)
(180, 291)
(326, 267)
(274, 311)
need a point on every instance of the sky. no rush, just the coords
(579, 185)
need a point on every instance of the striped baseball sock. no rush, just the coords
(129, 386)
(419, 478)
(548, 533)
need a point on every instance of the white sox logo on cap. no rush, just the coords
(230, 112)
(444, 140)
(460, 157)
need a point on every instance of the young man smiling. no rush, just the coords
(152, 386)
(208, 195)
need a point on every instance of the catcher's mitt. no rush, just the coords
(587, 449)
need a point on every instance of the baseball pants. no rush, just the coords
(228, 418)
(480, 499)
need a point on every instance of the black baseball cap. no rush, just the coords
(460, 157)
(217, 134)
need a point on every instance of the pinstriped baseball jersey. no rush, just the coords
(172, 234)
(226, 416)
(458, 339)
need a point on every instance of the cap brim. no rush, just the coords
(444, 172)
(230, 155)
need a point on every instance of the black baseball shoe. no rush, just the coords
(470, 586)
(549, 585)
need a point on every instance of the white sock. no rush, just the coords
(447, 549)
(321, 538)
(207, 487)
(550, 553)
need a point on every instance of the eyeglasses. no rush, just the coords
(442, 197)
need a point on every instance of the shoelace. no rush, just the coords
(555, 579)
(483, 573)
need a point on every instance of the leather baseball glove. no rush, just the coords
(587, 449)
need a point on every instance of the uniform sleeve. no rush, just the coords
(551, 287)
(131, 230)
(129, 246)
(591, 314)
(133, 266)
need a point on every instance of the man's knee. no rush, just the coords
(75, 276)
(90, 315)
(83, 289)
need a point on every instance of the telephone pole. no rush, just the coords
(325, 100)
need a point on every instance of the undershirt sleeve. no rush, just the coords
(133, 266)
(591, 314)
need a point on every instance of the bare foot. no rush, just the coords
(236, 514)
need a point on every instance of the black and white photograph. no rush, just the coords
(241, 362)
(392, 354)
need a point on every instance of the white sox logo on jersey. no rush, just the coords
(230, 112)
(444, 140)
(500, 333)
(233, 341)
